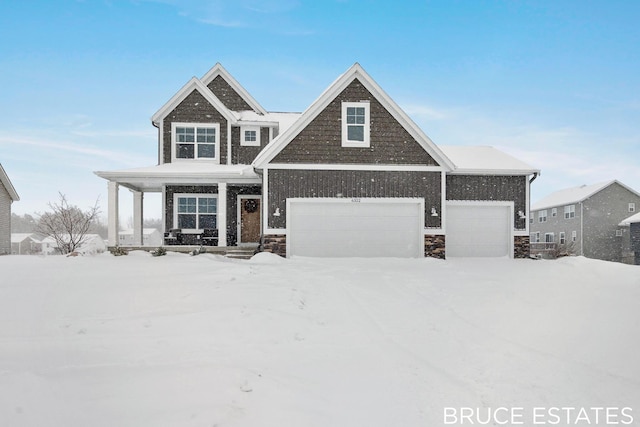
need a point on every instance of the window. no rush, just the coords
(563, 238)
(618, 233)
(531, 220)
(632, 207)
(569, 211)
(535, 237)
(549, 238)
(542, 216)
(554, 212)
(250, 136)
(196, 211)
(355, 124)
(574, 236)
(195, 141)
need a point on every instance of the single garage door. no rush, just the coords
(355, 227)
(479, 230)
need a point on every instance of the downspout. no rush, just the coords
(581, 229)
(155, 125)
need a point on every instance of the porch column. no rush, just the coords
(222, 214)
(138, 198)
(112, 214)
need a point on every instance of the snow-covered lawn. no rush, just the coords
(208, 341)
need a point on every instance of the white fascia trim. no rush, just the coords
(219, 70)
(229, 143)
(257, 123)
(190, 86)
(4, 178)
(493, 172)
(366, 167)
(161, 142)
(356, 71)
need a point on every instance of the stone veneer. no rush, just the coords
(274, 243)
(521, 247)
(434, 246)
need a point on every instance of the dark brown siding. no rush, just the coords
(194, 109)
(245, 155)
(634, 230)
(491, 187)
(285, 184)
(229, 97)
(321, 141)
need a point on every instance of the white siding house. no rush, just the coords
(8, 195)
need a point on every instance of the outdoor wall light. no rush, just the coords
(521, 215)
(434, 212)
(277, 212)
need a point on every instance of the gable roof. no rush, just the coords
(485, 159)
(4, 179)
(631, 220)
(219, 70)
(354, 72)
(575, 194)
(190, 86)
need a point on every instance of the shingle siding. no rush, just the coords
(5, 221)
(229, 97)
(321, 140)
(634, 230)
(194, 109)
(284, 184)
(244, 155)
(491, 187)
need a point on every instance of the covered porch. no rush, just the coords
(203, 205)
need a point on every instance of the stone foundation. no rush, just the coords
(434, 246)
(521, 247)
(274, 243)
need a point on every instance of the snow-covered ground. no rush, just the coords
(208, 341)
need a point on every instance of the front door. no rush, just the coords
(249, 219)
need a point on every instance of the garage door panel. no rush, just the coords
(478, 230)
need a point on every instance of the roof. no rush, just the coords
(575, 195)
(4, 178)
(145, 231)
(633, 219)
(21, 237)
(354, 72)
(219, 70)
(485, 159)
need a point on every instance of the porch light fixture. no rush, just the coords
(434, 212)
(277, 212)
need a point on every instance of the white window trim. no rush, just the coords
(563, 238)
(553, 237)
(632, 207)
(176, 196)
(174, 143)
(569, 211)
(574, 236)
(542, 215)
(554, 212)
(244, 142)
(367, 124)
(619, 232)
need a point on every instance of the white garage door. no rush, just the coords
(479, 230)
(355, 227)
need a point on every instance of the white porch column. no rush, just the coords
(112, 214)
(138, 198)
(222, 214)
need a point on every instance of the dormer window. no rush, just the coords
(196, 141)
(355, 124)
(250, 136)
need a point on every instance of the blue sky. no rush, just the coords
(555, 83)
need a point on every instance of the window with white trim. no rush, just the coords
(355, 124)
(535, 237)
(563, 238)
(619, 232)
(195, 141)
(250, 136)
(542, 216)
(549, 237)
(195, 211)
(554, 212)
(569, 211)
(574, 236)
(632, 207)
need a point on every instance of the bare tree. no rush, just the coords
(67, 224)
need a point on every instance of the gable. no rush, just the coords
(227, 95)
(320, 142)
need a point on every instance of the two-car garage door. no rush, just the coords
(355, 227)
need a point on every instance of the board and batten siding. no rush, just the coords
(320, 142)
(194, 109)
(634, 231)
(284, 184)
(227, 95)
(490, 188)
(244, 155)
(5, 221)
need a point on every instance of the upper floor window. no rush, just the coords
(542, 216)
(196, 211)
(196, 141)
(554, 212)
(632, 207)
(355, 124)
(569, 211)
(250, 136)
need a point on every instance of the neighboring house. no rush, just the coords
(584, 220)
(8, 195)
(351, 176)
(631, 239)
(93, 244)
(150, 237)
(25, 244)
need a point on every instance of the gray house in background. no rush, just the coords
(631, 239)
(584, 221)
(8, 195)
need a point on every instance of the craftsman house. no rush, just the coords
(585, 220)
(352, 175)
(8, 195)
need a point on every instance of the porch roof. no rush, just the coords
(153, 178)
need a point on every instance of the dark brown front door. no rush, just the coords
(249, 220)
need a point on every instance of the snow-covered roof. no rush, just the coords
(145, 231)
(485, 159)
(574, 195)
(152, 178)
(21, 237)
(4, 178)
(282, 120)
(631, 220)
